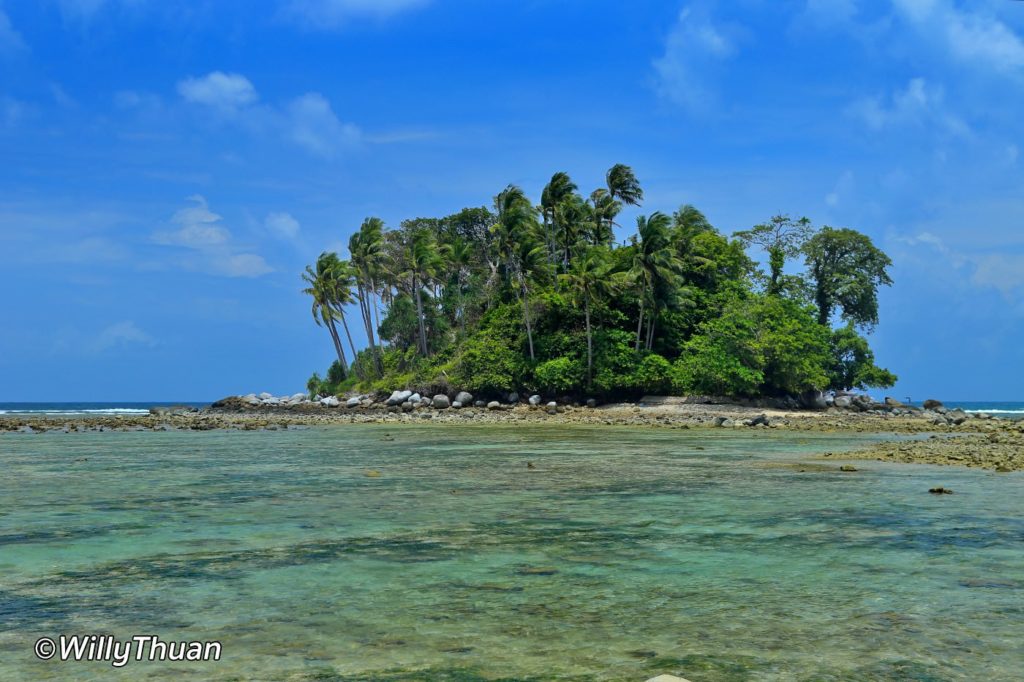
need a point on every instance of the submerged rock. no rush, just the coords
(940, 491)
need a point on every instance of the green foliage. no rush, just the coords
(560, 375)
(654, 375)
(487, 363)
(538, 295)
(853, 362)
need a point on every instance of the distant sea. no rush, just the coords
(89, 408)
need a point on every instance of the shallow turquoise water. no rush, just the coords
(623, 554)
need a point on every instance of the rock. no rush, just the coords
(534, 400)
(353, 402)
(940, 491)
(441, 402)
(956, 417)
(464, 398)
(847, 468)
(399, 397)
(415, 398)
(591, 403)
(479, 403)
(720, 421)
(330, 401)
(551, 408)
(513, 397)
(759, 420)
(668, 678)
(26, 429)
(298, 397)
(842, 401)
(494, 405)
(265, 396)
(813, 400)
(931, 404)
(892, 402)
(456, 405)
(407, 406)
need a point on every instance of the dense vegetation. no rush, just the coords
(539, 297)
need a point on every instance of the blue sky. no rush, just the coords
(168, 168)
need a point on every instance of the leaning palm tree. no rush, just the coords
(459, 256)
(590, 280)
(366, 248)
(623, 185)
(655, 268)
(326, 284)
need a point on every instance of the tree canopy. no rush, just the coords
(544, 297)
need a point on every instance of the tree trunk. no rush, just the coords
(639, 324)
(590, 347)
(337, 345)
(526, 317)
(650, 330)
(344, 323)
(419, 315)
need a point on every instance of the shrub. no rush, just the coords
(559, 375)
(488, 364)
(653, 375)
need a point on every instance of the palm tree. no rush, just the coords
(590, 280)
(558, 189)
(655, 267)
(606, 207)
(459, 256)
(623, 185)
(330, 287)
(422, 260)
(366, 248)
(574, 216)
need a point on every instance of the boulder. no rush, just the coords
(843, 401)
(551, 408)
(441, 402)
(535, 400)
(591, 403)
(399, 397)
(813, 400)
(931, 404)
(494, 405)
(759, 420)
(668, 678)
(353, 402)
(407, 406)
(456, 405)
(513, 397)
(720, 421)
(415, 398)
(251, 399)
(956, 417)
(298, 398)
(892, 402)
(464, 398)
(265, 396)
(330, 401)
(479, 403)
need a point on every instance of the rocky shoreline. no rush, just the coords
(960, 438)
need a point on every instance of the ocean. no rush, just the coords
(391, 552)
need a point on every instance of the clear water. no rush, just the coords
(87, 408)
(623, 554)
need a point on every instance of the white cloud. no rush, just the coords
(968, 36)
(10, 40)
(242, 265)
(312, 124)
(226, 92)
(282, 224)
(919, 104)
(1001, 271)
(694, 45)
(200, 230)
(843, 188)
(120, 334)
(328, 14)
(198, 227)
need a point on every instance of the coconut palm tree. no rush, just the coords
(422, 260)
(655, 267)
(558, 189)
(589, 281)
(330, 287)
(366, 249)
(459, 256)
(623, 185)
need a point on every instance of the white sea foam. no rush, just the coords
(110, 411)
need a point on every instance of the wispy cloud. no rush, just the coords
(969, 36)
(330, 14)
(307, 121)
(10, 40)
(119, 335)
(201, 231)
(694, 47)
(226, 92)
(282, 225)
(918, 104)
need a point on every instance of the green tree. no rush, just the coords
(366, 248)
(558, 189)
(590, 280)
(655, 269)
(846, 269)
(330, 286)
(782, 238)
(852, 362)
